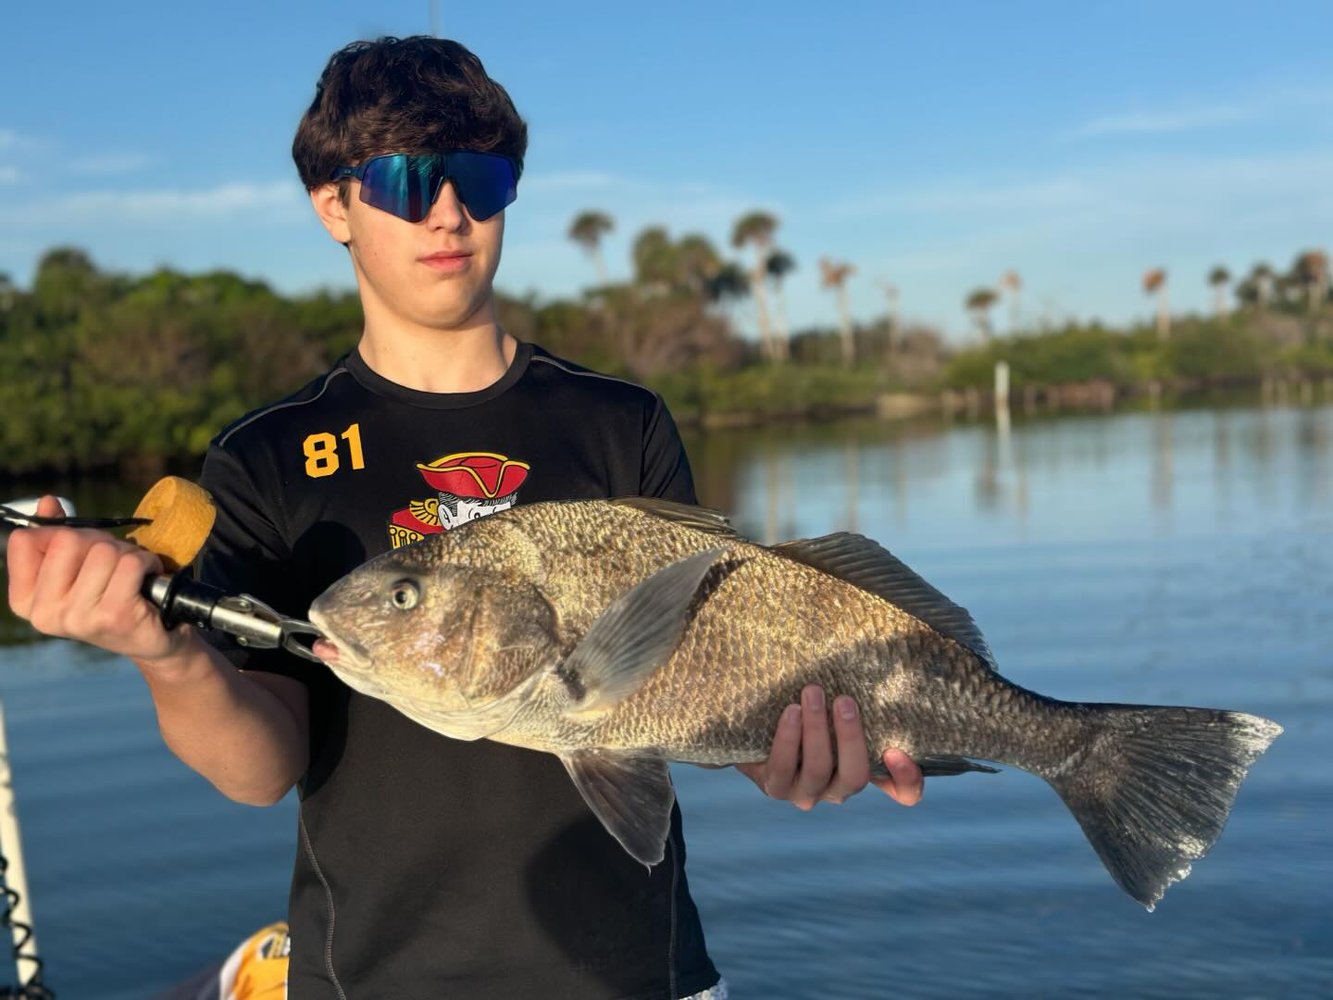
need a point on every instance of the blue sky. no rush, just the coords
(932, 145)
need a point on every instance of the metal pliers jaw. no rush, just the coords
(251, 622)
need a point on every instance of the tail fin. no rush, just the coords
(1153, 788)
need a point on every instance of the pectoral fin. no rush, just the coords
(630, 794)
(633, 637)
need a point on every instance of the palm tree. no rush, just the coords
(697, 262)
(1154, 283)
(655, 260)
(979, 303)
(1013, 284)
(1263, 276)
(891, 293)
(757, 228)
(1311, 272)
(1219, 277)
(587, 231)
(729, 284)
(1287, 286)
(835, 275)
(777, 267)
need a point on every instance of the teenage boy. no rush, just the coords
(425, 866)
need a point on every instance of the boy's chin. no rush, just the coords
(448, 317)
(458, 320)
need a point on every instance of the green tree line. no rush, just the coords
(1240, 348)
(99, 370)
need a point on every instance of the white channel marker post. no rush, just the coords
(16, 876)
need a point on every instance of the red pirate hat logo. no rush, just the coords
(467, 485)
(476, 474)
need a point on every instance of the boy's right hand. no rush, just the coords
(81, 584)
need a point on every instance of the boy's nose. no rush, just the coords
(446, 212)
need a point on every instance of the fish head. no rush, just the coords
(434, 628)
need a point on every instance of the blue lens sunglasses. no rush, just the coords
(407, 184)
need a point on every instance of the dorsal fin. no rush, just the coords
(865, 563)
(706, 519)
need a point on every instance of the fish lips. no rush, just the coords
(350, 652)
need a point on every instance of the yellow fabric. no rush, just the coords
(257, 970)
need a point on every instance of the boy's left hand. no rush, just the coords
(800, 767)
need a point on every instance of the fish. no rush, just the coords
(621, 635)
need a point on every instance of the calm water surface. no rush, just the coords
(1163, 558)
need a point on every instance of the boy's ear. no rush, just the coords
(331, 211)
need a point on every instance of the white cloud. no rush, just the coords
(11, 140)
(1259, 102)
(1111, 192)
(166, 206)
(1160, 122)
(109, 163)
(574, 180)
(963, 197)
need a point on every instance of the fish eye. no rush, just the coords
(405, 594)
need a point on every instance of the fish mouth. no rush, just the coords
(350, 652)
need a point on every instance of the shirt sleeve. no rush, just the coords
(666, 468)
(245, 554)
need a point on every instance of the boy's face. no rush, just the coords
(436, 273)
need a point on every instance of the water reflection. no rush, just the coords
(1001, 480)
(1221, 478)
(1313, 440)
(1088, 476)
(852, 480)
(777, 488)
(1163, 469)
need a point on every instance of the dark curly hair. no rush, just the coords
(404, 95)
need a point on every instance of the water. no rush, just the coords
(1169, 558)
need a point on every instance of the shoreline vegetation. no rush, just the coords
(132, 375)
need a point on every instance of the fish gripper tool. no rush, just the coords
(248, 620)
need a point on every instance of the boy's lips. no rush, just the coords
(451, 260)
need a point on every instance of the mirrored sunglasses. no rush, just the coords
(407, 184)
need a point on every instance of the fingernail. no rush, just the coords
(845, 707)
(813, 697)
(791, 716)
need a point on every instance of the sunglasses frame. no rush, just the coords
(442, 158)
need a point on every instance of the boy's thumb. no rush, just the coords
(49, 506)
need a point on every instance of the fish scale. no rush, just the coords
(620, 635)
